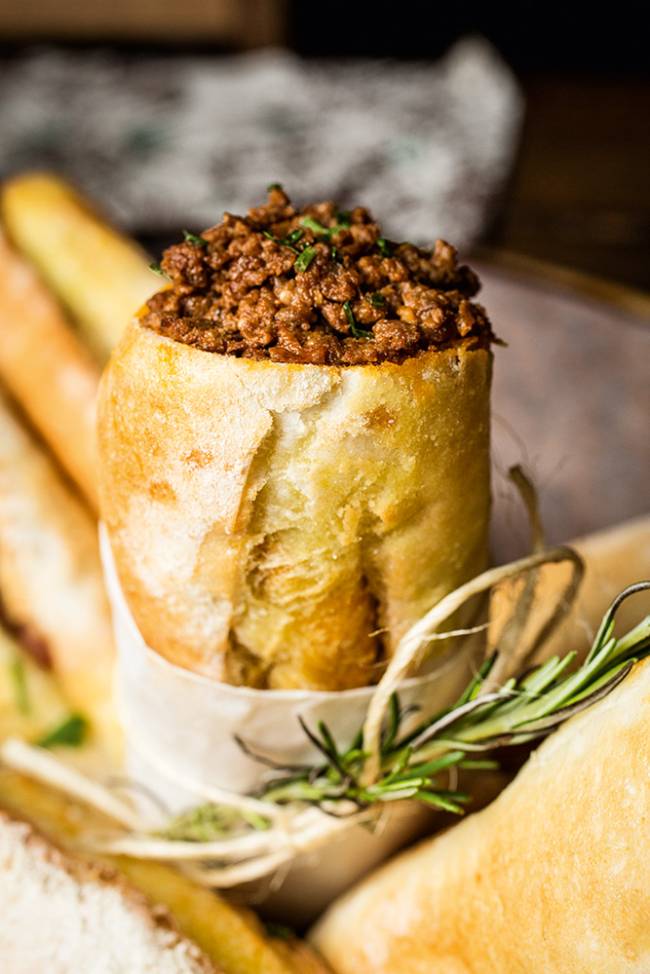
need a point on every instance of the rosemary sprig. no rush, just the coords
(207, 822)
(525, 708)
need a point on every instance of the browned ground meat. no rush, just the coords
(314, 285)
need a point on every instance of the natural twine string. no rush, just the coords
(408, 653)
(292, 831)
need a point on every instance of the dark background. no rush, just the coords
(579, 194)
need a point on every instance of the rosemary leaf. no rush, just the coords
(523, 709)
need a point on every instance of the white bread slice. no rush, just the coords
(66, 915)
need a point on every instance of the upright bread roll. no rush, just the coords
(551, 878)
(295, 449)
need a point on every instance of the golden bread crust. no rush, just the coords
(552, 877)
(266, 518)
(47, 369)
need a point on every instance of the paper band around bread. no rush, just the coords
(182, 733)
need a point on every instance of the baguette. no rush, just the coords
(100, 276)
(552, 877)
(47, 369)
(50, 574)
(267, 518)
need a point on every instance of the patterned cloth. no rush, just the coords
(170, 142)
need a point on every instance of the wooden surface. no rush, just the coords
(571, 403)
(226, 23)
(580, 193)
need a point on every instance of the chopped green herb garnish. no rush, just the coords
(304, 259)
(384, 247)
(343, 218)
(354, 328)
(284, 241)
(377, 300)
(18, 678)
(315, 226)
(272, 186)
(336, 253)
(293, 236)
(278, 930)
(71, 732)
(319, 229)
(157, 269)
(195, 239)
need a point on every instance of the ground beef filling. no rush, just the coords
(314, 285)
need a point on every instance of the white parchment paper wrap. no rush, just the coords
(181, 731)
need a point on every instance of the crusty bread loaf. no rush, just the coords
(50, 576)
(47, 369)
(551, 878)
(100, 276)
(268, 518)
(65, 915)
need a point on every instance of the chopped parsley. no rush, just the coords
(304, 259)
(355, 331)
(195, 239)
(71, 732)
(320, 230)
(294, 236)
(343, 218)
(157, 269)
(377, 300)
(315, 226)
(272, 186)
(287, 241)
(384, 247)
(278, 930)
